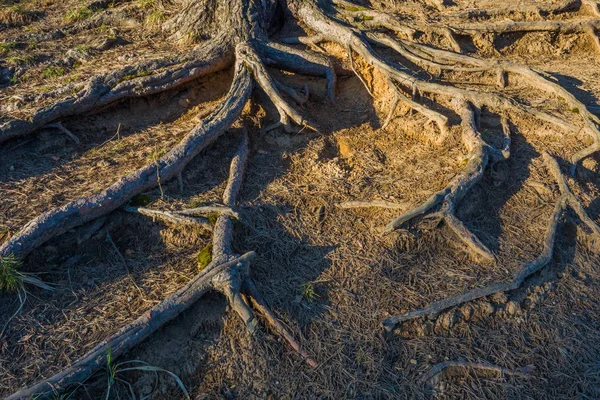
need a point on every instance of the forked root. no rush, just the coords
(228, 273)
(266, 82)
(433, 116)
(478, 158)
(59, 220)
(566, 199)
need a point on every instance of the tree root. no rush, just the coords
(177, 218)
(565, 6)
(78, 212)
(252, 52)
(374, 203)
(266, 82)
(228, 273)
(446, 369)
(566, 199)
(139, 80)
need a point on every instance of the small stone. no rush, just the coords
(512, 307)
(413, 361)
(345, 148)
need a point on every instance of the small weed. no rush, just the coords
(72, 78)
(145, 4)
(5, 47)
(156, 154)
(79, 14)
(84, 48)
(43, 88)
(26, 59)
(51, 72)
(17, 15)
(156, 18)
(116, 149)
(204, 257)
(308, 292)
(212, 218)
(367, 18)
(11, 280)
(114, 370)
(575, 110)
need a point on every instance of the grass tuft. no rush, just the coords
(11, 280)
(79, 14)
(309, 292)
(52, 71)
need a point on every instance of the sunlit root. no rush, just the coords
(565, 200)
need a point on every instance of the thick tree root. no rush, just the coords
(131, 335)
(480, 155)
(78, 212)
(227, 273)
(139, 80)
(566, 199)
(248, 46)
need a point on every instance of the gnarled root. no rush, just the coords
(566, 199)
(138, 80)
(227, 273)
(78, 212)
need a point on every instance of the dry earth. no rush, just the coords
(328, 273)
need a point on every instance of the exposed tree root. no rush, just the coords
(566, 199)
(227, 273)
(246, 45)
(447, 369)
(374, 203)
(138, 80)
(78, 212)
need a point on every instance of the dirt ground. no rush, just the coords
(328, 273)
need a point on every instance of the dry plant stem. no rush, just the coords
(132, 334)
(171, 217)
(359, 76)
(64, 130)
(449, 368)
(78, 212)
(566, 199)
